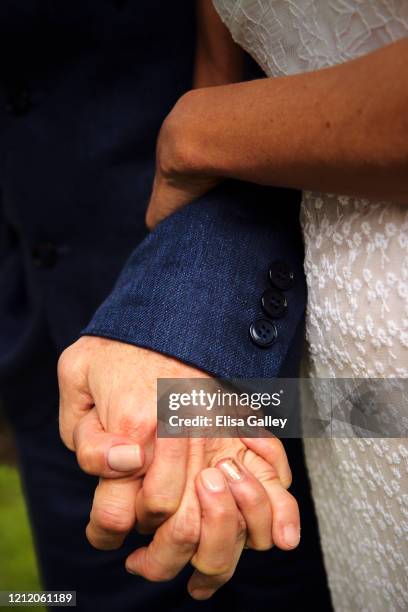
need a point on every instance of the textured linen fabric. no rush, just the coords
(194, 286)
(356, 263)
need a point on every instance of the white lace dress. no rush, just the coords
(357, 319)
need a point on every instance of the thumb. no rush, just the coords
(75, 399)
(105, 454)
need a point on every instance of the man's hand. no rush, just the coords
(108, 416)
(119, 380)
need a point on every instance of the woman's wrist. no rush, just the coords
(216, 132)
(184, 138)
(338, 130)
(181, 163)
(327, 130)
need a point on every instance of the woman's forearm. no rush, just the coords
(343, 129)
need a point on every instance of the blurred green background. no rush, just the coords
(18, 568)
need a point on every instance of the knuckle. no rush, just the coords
(186, 533)
(160, 506)
(111, 518)
(286, 480)
(103, 543)
(174, 154)
(86, 458)
(66, 435)
(158, 574)
(150, 218)
(166, 147)
(174, 450)
(196, 449)
(219, 572)
(226, 576)
(254, 497)
(131, 425)
(64, 366)
(276, 446)
(274, 450)
(223, 514)
(70, 366)
(264, 472)
(223, 449)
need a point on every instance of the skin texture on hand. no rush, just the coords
(108, 400)
(341, 130)
(108, 406)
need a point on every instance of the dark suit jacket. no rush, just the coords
(83, 94)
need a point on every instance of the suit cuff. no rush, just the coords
(193, 287)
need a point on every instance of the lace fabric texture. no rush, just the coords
(290, 36)
(356, 263)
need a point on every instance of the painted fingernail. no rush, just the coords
(125, 457)
(213, 480)
(201, 594)
(230, 469)
(291, 535)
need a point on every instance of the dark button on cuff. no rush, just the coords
(44, 255)
(263, 333)
(274, 303)
(281, 276)
(19, 102)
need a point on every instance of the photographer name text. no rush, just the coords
(227, 421)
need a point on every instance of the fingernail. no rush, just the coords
(201, 594)
(291, 535)
(231, 469)
(213, 480)
(131, 571)
(125, 457)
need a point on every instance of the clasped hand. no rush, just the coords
(204, 499)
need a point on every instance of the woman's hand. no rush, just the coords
(240, 502)
(178, 181)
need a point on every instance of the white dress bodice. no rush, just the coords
(356, 264)
(291, 36)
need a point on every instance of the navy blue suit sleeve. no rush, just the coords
(194, 286)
